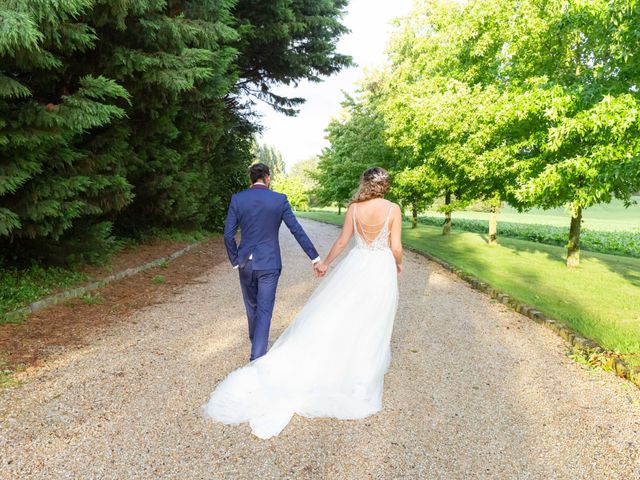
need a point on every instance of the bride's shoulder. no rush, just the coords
(394, 206)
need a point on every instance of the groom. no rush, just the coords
(259, 212)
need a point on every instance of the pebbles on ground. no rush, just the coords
(474, 391)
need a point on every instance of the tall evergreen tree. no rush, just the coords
(57, 183)
(174, 59)
(129, 113)
(271, 157)
(286, 41)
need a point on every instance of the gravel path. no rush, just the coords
(474, 391)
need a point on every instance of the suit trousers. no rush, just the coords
(259, 294)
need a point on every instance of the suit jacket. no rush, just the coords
(259, 212)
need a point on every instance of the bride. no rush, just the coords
(331, 360)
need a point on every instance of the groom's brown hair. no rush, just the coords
(258, 171)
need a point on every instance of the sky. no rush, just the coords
(300, 137)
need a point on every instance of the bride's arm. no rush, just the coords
(396, 236)
(343, 240)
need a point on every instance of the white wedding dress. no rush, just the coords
(331, 359)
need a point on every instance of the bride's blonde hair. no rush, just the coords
(374, 183)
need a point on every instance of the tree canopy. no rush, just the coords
(357, 142)
(531, 103)
(117, 117)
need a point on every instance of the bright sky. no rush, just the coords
(303, 136)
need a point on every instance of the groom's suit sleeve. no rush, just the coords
(230, 229)
(298, 232)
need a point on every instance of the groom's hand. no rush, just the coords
(320, 269)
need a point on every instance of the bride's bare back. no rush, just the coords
(370, 219)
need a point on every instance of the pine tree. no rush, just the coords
(175, 61)
(270, 156)
(51, 178)
(284, 42)
(128, 115)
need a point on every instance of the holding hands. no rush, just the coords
(320, 269)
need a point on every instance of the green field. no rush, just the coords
(600, 299)
(612, 216)
(611, 228)
(609, 217)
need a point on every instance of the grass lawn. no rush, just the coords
(600, 299)
(609, 217)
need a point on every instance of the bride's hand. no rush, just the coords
(399, 268)
(320, 269)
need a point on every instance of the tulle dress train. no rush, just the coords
(331, 360)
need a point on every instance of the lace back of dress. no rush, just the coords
(381, 240)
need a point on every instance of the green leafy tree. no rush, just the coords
(534, 104)
(357, 142)
(590, 151)
(305, 172)
(337, 181)
(415, 189)
(294, 189)
(437, 108)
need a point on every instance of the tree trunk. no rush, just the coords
(339, 209)
(446, 228)
(573, 247)
(493, 226)
(414, 217)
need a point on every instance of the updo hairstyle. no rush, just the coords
(374, 183)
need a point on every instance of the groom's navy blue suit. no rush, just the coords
(258, 212)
